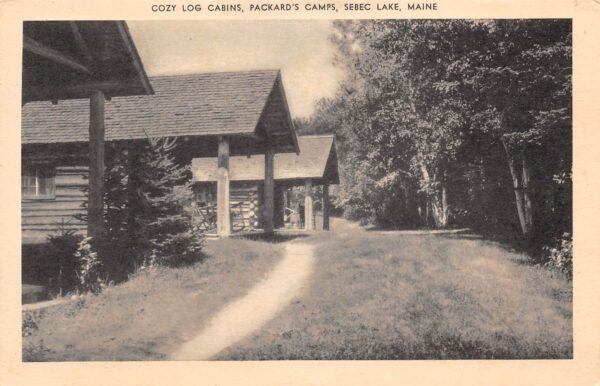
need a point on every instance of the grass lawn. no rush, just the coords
(370, 296)
(154, 312)
(393, 296)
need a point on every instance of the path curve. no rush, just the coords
(248, 314)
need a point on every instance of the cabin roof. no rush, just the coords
(249, 103)
(317, 160)
(70, 59)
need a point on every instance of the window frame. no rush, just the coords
(37, 172)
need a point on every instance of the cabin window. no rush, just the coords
(38, 182)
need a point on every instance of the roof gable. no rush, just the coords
(226, 103)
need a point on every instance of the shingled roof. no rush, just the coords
(227, 103)
(317, 160)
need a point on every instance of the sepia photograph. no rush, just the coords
(316, 189)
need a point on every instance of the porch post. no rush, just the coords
(325, 206)
(95, 221)
(286, 203)
(223, 210)
(279, 206)
(269, 192)
(309, 223)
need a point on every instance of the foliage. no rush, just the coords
(455, 123)
(521, 82)
(31, 319)
(121, 248)
(165, 189)
(61, 252)
(560, 255)
(90, 267)
(148, 201)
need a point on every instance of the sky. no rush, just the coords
(301, 49)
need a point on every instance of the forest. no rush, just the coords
(456, 123)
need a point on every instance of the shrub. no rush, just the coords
(560, 255)
(30, 322)
(61, 255)
(90, 267)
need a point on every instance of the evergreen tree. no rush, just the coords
(120, 247)
(147, 209)
(165, 193)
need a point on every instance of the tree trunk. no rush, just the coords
(521, 188)
(437, 200)
(435, 213)
(422, 210)
(412, 208)
(444, 193)
(439, 208)
(528, 207)
(427, 182)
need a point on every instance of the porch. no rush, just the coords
(252, 204)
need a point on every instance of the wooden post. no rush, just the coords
(286, 198)
(269, 193)
(309, 223)
(95, 221)
(279, 206)
(325, 206)
(223, 209)
(286, 204)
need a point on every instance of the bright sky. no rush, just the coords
(301, 49)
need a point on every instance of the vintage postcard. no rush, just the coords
(300, 193)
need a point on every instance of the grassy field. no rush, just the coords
(371, 296)
(149, 316)
(394, 296)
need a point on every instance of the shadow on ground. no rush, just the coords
(276, 238)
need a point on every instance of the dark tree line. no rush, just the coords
(444, 123)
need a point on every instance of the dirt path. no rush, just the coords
(248, 314)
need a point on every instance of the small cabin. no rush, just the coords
(315, 165)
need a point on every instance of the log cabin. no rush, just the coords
(315, 165)
(212, 115)
(63, 60)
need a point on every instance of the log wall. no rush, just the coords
(246, 207)
(43, 217)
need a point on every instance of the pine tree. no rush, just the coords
(119, 248)
(164, 189)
